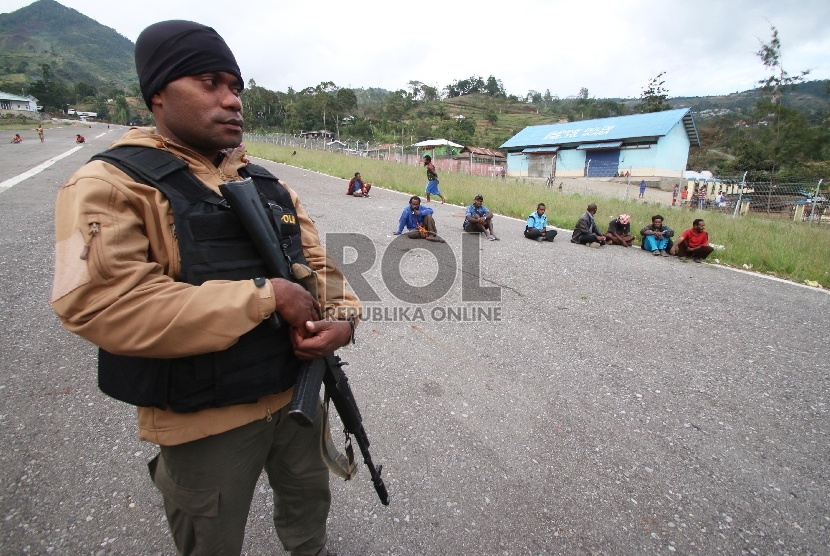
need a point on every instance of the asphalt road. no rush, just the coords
(614, 403)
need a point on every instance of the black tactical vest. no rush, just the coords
(213, 245)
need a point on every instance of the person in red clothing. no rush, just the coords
(357, 187)
(694, 242)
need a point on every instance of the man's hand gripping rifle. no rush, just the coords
(244, 200)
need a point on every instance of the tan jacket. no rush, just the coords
(116, 261)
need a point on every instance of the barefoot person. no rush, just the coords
(357, 187)
(694, 242)
(479, 220)
(432, 179)
(419, 221)
(619, 231)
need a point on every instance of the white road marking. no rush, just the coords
(35, 171)
(98, 136)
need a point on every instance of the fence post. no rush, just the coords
(815, 199)
(740, 196)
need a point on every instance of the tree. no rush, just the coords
(494, 87)
(430, 93)
(52, 95)
(654, 97)
(84, 90)
(774, 87)
(583, 94)
(122, 111)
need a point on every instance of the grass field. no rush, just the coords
(781, 248)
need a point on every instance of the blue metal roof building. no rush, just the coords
(646, 145)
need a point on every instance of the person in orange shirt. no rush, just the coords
(694, 242)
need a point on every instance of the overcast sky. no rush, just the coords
(612, 48)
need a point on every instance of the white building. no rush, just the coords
(16, 104)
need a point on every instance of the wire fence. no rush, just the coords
(465, 163)
(774, 196)
(798, 200)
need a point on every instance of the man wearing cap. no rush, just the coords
(479, 220)
(182, 322)
(619, 231)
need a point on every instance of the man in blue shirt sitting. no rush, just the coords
(537, 224)
(479, 220)
(418, 220)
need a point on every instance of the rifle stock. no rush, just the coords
(243, 198)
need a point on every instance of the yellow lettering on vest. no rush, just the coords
(289, 219)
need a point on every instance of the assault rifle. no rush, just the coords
(243, 198)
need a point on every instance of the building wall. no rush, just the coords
(17, 106)
(667, 158)
(570, 164)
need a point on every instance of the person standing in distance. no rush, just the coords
(432, 179)
(141, 271)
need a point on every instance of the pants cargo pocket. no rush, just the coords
(193, 514)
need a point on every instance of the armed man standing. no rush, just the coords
(153, 267)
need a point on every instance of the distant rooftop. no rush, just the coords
(655, 124)
(8, 96)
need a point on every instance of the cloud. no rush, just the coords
(612, 48)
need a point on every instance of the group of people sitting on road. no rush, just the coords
(656, 238)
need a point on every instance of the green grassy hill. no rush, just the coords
(75, 46)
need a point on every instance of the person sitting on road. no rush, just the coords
(419, 221)
(586, 231)
(479, 220)
(657, 237)
(619, 231)
(537, 223)
(17, 138)
(357, 187)
(80, 139)
(694, 242)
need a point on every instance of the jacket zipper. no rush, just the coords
(94, 228)
(175, 260)
(98, 254)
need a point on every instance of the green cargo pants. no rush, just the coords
(208, 486)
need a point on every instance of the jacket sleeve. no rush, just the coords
(351, 184)
(646, 231)
(426, 211)
(113, 281)
(582, 225)
(334, 294)
(402, 221)
(667, 232)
